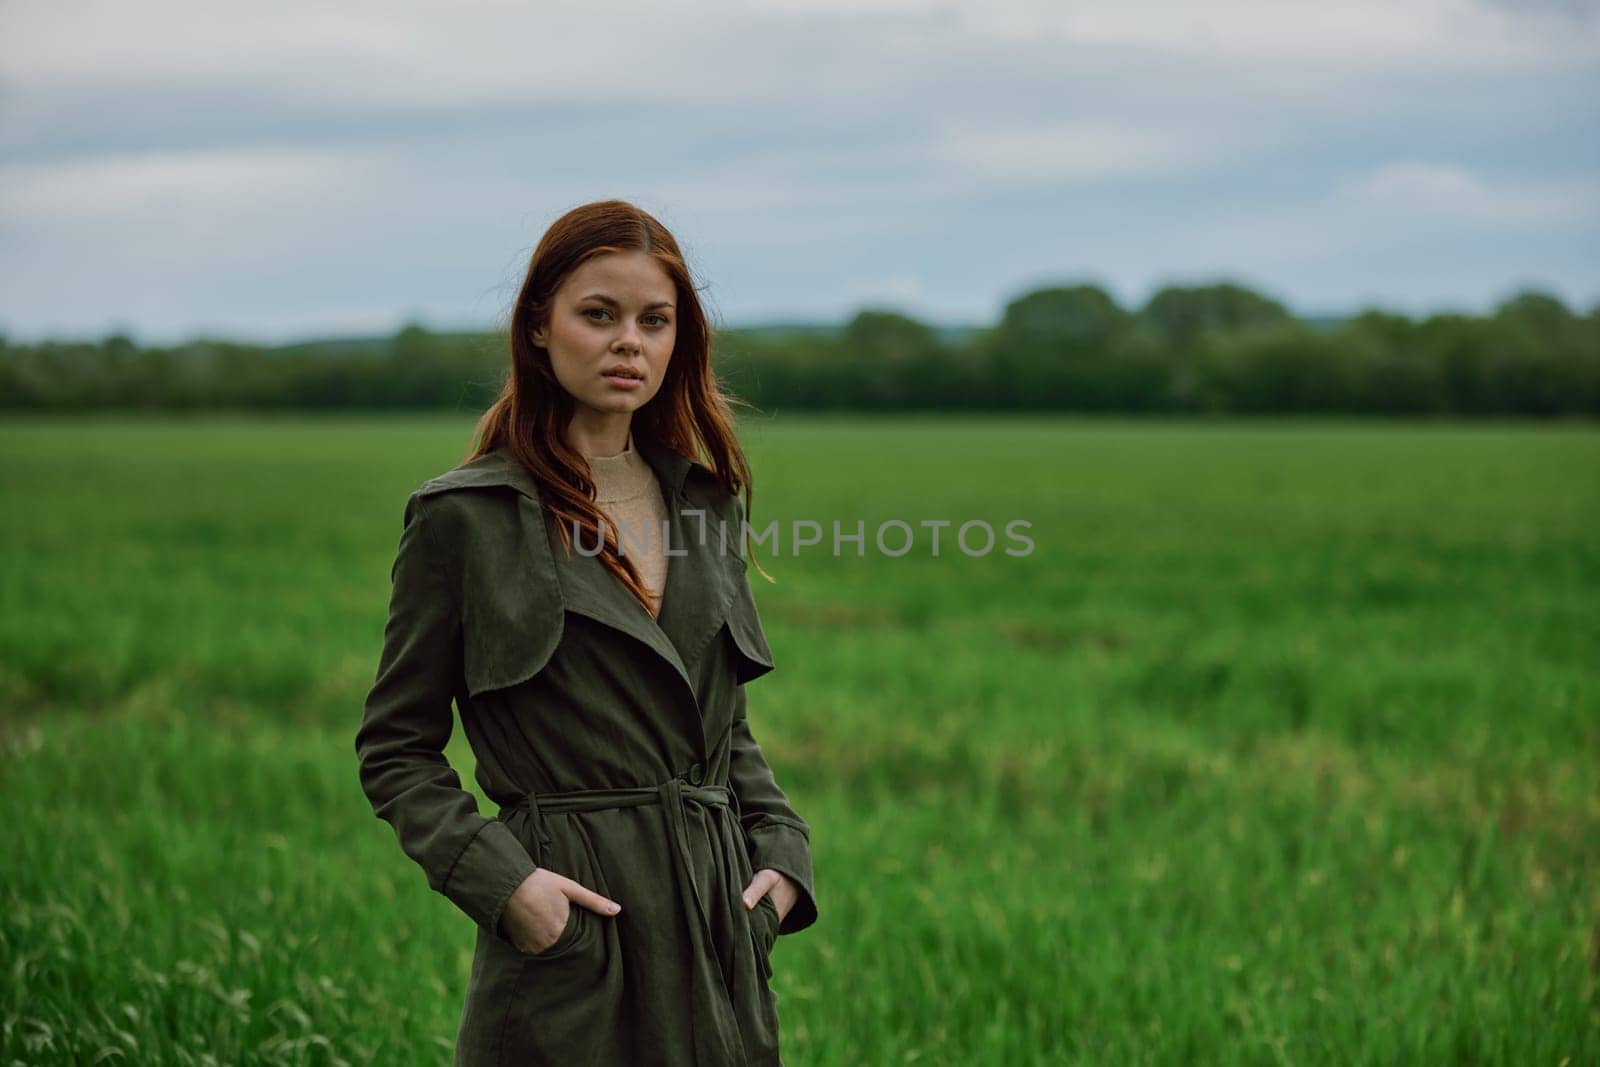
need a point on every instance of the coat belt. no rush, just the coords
(713, 1045)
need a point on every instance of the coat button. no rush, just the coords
(697, 773)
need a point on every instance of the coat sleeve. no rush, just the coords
(777, 836)
(476, 862)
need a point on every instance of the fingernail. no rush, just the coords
(614, 908)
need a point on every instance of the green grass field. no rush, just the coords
(1283, 745)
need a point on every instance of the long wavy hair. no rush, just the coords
(690, 415)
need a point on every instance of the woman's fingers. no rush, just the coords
(764, 880)
(589, 898)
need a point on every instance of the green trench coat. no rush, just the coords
(618, 750)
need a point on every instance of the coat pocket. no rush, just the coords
(764, 928)
(565, 858)
(571, 934)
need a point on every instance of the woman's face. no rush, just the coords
(610, 332)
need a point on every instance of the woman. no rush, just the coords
(643, 860)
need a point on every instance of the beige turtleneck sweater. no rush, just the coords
(627, 491)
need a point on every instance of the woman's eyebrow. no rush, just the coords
(604, 299)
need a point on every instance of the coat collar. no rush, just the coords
(701, 581)
(500, 467)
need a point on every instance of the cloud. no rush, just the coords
(1439, 33)
(893, 290)
(1409, 189)
(92, 190)
(1074, 149)
(423, 55)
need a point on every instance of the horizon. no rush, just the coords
(468, 329)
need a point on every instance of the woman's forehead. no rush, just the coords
(628, 277)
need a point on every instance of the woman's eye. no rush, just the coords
(652, 320)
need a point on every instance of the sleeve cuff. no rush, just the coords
(787, 850)
(486, 873)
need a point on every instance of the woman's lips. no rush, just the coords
(620, 381)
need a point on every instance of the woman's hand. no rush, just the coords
(784, 891)
(538, 910)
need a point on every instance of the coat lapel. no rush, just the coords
(699, 584)
(700, 581)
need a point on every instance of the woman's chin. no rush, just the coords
(614, 404)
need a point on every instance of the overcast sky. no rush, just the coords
(292, 169)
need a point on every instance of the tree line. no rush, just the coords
(1217, 348)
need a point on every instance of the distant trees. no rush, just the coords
(1209, 348)
(1059, 347)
